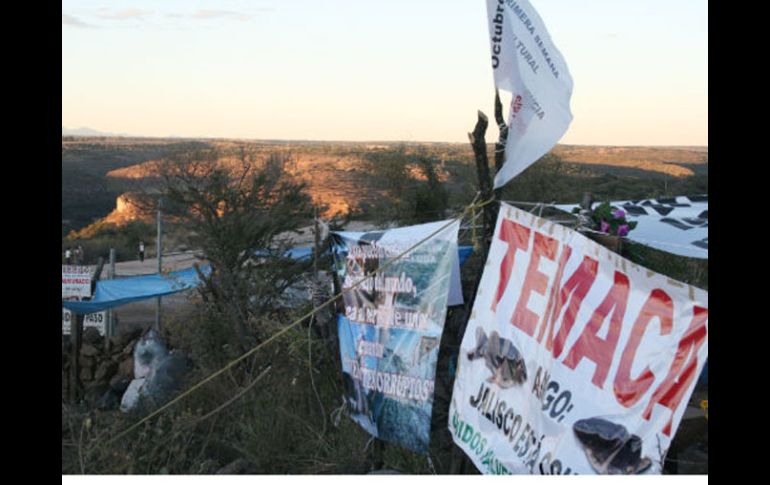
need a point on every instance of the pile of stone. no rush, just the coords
(104, 372)
(136, 371)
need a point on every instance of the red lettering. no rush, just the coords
(628, 391)
(593, 347)
(547, 321)
(523, 317)
(517, 237)
(680, 376)
(574, 290)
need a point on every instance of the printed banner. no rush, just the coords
(75, 281)
(390, 332)
(678, 225)
(575, 360)
(527, 64)
(97, 320)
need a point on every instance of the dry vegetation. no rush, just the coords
(286, 424)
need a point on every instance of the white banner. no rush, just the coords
(528, 65)
(678, 225)
(575, 360)
(97, 320)
(75, 281)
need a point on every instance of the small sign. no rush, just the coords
(97, 320)
(75, 281)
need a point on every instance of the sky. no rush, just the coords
(359, 70)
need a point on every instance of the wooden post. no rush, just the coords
(76, 338)
(501, 141)
(109, 330)
(97, 274)
(587, 202)
(479, 145)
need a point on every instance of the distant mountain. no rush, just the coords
(85, 131)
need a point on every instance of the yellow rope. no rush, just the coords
(474, 236)
(286, 329)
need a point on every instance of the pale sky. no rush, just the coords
(410, 70)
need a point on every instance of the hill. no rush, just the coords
(347, 176)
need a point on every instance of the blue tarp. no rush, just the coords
(293, 253)
(465, 252)
(112, 293)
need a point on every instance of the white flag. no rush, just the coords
(528, 65)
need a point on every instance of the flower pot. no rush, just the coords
(613, 243)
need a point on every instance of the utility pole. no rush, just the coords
(159, 251)
(76, 339)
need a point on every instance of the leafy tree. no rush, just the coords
(412, 191)
(241, 212)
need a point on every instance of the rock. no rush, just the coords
(610, 448)
(85, 361)
(129, 348)
(119, 384)
(86, 374)
(117, 378)
(106, 370)
(126, 368)
(89, 350)
(91, 336)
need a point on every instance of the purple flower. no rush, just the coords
(623, 230)
(605, 227)
(619, 214)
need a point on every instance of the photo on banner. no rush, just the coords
(575, 360)
(392, 323)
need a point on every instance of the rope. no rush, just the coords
(529, 203)
(296, 322)
(474, 235)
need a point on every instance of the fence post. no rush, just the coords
(109, 330)
(76, 338)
